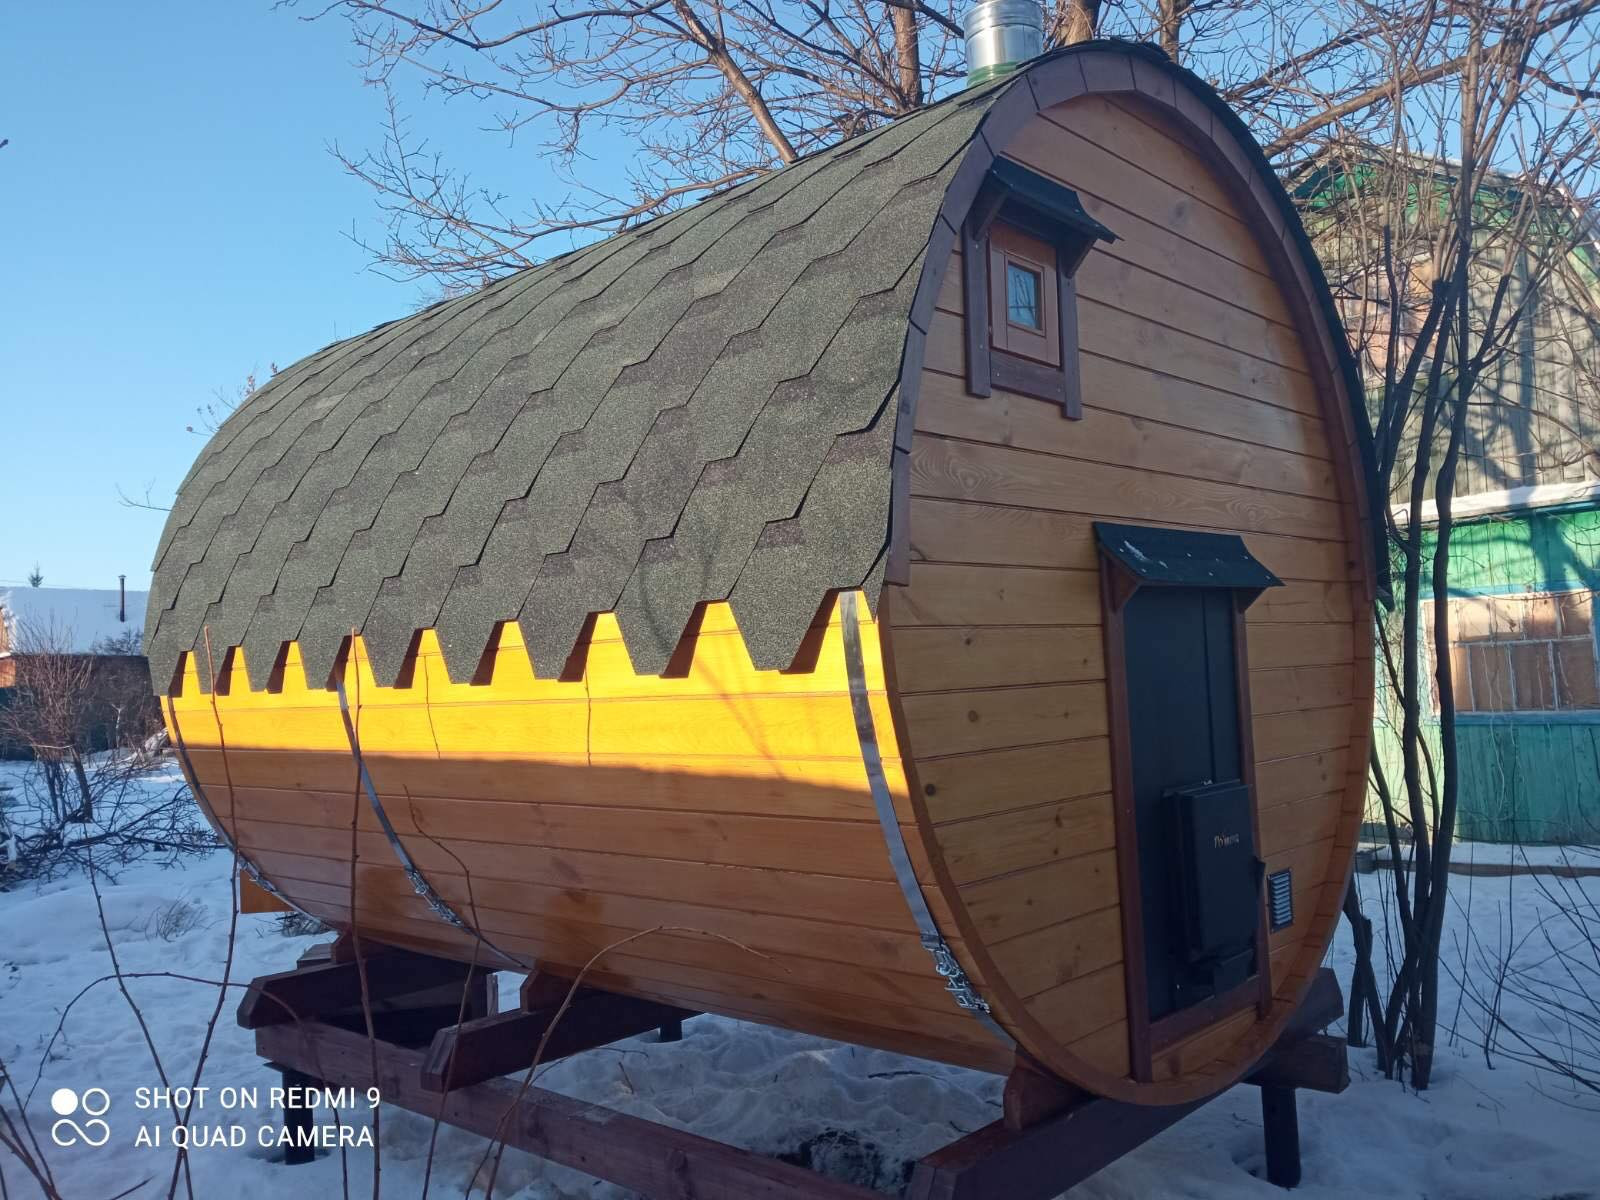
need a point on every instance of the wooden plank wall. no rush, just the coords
(726, 809)
(1198, 412)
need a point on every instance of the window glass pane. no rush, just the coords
(1022, 297)
(1522, 653)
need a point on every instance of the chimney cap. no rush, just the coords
(1000, 36)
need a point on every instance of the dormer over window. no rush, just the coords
(1024, 241)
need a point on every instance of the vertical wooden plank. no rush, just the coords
(1067, 311)
(1280, 1127)
(1247, 769)
(1128, 873)
(975, 298)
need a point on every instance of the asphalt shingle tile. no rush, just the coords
(684, 412)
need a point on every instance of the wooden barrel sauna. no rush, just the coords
(921, 597)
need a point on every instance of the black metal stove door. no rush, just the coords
(1183, 725)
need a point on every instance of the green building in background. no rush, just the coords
(1524, 568)
(1525, 546)
(1526, 667)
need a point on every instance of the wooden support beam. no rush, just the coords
(655, 1160)
(1280, 1125)
(297, 1119)
(1043, 1161)
(325, 989)
(1033, 1095)
(474, 1051)
(1051, 1138)
(1303, 1058)
(1318, 1063)
(541, 989)
(343, 947)
(1323, 1005)
(1031, 1155)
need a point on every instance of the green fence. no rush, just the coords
(1529, 781)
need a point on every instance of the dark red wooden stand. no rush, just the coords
(439, 1049)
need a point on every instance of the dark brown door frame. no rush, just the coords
(1146, 1038)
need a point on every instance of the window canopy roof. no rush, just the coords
(1183, 557)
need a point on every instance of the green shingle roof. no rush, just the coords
(699, 409)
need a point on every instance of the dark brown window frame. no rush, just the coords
(1019, 199)
(1145, 1037)
(1010, 247)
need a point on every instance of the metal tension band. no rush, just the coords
(944, 960)
(419, 883)
(248, 867)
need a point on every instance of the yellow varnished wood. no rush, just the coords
(963, 594)
(1287, 780)
(1092, 1001)
(560, 815)
(1072, 143)
(962, 786)
(956, 658)
(953, 722)
(1001, 843)
(956, 531)
(1058, 954)
(1034, 898)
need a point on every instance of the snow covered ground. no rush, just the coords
(1468, 855)
(1499, 1130)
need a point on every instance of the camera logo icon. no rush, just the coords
(93, 1104)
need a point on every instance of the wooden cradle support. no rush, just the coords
(1045, 1144)
(546, 1027)
(1051, 1137)
(396, 986)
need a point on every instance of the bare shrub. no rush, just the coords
(174, 919)
(138, 819)
(299, 924)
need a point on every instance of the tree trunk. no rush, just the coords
(908, 57)
(1355, 1021)
(1466, 368)
(52, 787)
(1076, 20)
(1365, 1005)
(85, 794)
(1169, 25)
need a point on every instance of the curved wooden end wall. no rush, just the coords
(1201, 410)
(559, 817)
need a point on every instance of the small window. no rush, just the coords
(1024, 308)
(1521, 653)
(1021, 243)
(1023, 285)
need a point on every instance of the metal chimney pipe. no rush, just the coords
(122, 598)
(1001, 36)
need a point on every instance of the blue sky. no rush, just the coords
(170, 219)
